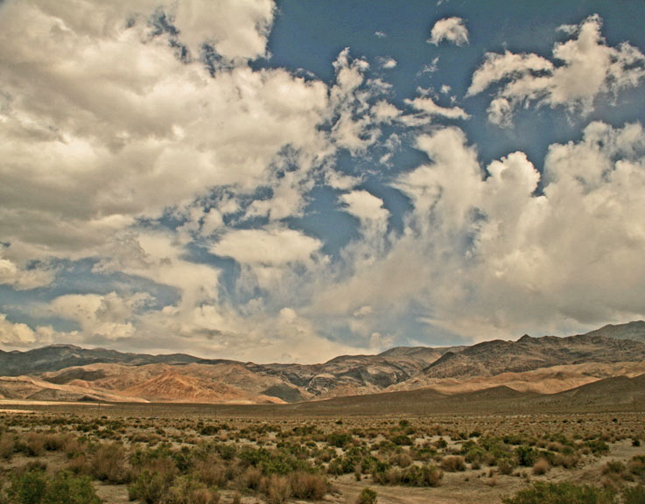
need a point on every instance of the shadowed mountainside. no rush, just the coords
(55, 357)
(630, 331)
(491, 358)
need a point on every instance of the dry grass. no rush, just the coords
(108, 463)
(453, 464)
(541, 467)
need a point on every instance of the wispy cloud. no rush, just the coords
(583, 68)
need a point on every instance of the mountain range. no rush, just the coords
(546, 365)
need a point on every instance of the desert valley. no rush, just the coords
(500, 421)
(332, 252)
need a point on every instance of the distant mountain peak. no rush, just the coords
(63, 345)
(112, 374)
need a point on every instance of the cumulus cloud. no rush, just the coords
(452, 29)
(125, 129)
(583, 68)
(365, 206)
(237, 30)
(488, 257)
(24, 278)
(273, 259)
(137, 136)
(20, 336)
(115, 117)
(107, 316)
(388, 63)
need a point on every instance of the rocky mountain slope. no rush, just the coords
(630, 331)
(55, 357)
(491, 358)
(530, 365)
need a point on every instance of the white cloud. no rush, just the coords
(429, 108)
(430, 68)
(365, 207)
(21, 336)
(105, 130)
(271, 247)
(452, 29)
(448, 186)
(237, 29)
(22, 278)
(385, 112)
(498, 66)
(489, 258)
(108, 316)
(388, 63)
(340, 181)
(13, 335)
(104, 127)
(586, 68)
(123, 129)
(252, 335)
(355, 121)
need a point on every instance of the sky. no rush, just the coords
(294, 180)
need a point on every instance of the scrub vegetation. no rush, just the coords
(97, 457)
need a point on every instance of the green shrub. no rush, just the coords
(402, 440)
(339, 439)
(150, 485)
(349, 462)
(28, 488)
(187, 490)
(226, 451)
(634, 495)
(367, 496)
(598, 446)
(35, 487)
(637, 466)
(209, 430)
(561, 493)
(473, 452)
(526, 456)
(272, 461)
(65, 488)
(421, 476)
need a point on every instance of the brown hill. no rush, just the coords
(223, 382)
(547, 365)
(610, 394)
(349, 373)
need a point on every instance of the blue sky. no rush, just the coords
(291, 181)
